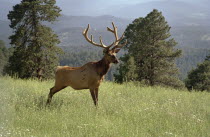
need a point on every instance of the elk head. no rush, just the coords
(109, 53)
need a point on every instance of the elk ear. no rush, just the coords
(116, 50)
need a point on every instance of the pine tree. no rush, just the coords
(35, 52)
(126, 70)
(4, 55)
(199, 78)
(153, 51)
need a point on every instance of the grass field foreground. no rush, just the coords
(124, 111)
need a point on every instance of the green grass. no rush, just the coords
(124, 111)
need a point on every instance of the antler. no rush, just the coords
(90, 40)
(117, 40)
(115, 43)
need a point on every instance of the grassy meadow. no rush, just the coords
(127, 110)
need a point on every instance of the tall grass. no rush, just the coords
(124, 111)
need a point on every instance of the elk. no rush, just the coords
(90, 75)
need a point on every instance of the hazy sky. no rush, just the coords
(113, 1)
(102, 7)
(128, 1)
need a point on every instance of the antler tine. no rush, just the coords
(114, 30)
(120, 45)
(91, 38)
(117, 39)
(85, 34)
(101, 40)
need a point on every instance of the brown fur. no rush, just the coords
(89, 76)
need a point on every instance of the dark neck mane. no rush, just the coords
(102, 67)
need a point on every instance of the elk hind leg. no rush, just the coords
(94, 94)
(53, 90)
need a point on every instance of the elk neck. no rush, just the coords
(103, 66)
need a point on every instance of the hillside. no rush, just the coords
(124, 110)
(186, 36)
(69, 29)
(192, 36)
(98, 22)
(189, 60)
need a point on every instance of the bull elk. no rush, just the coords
(90, 75)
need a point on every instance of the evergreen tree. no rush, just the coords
(4, 55)
(199, 78)
(35, 52)
(153, 51)
(126, 70)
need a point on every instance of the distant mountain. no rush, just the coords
(69, 29)
(192, 36)
(97, 22)
(177, 13)
(72, 37)
(87, 8)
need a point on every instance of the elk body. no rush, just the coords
(90, 75)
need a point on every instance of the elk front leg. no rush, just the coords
(94, 94)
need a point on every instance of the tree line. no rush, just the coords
(149, 58)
